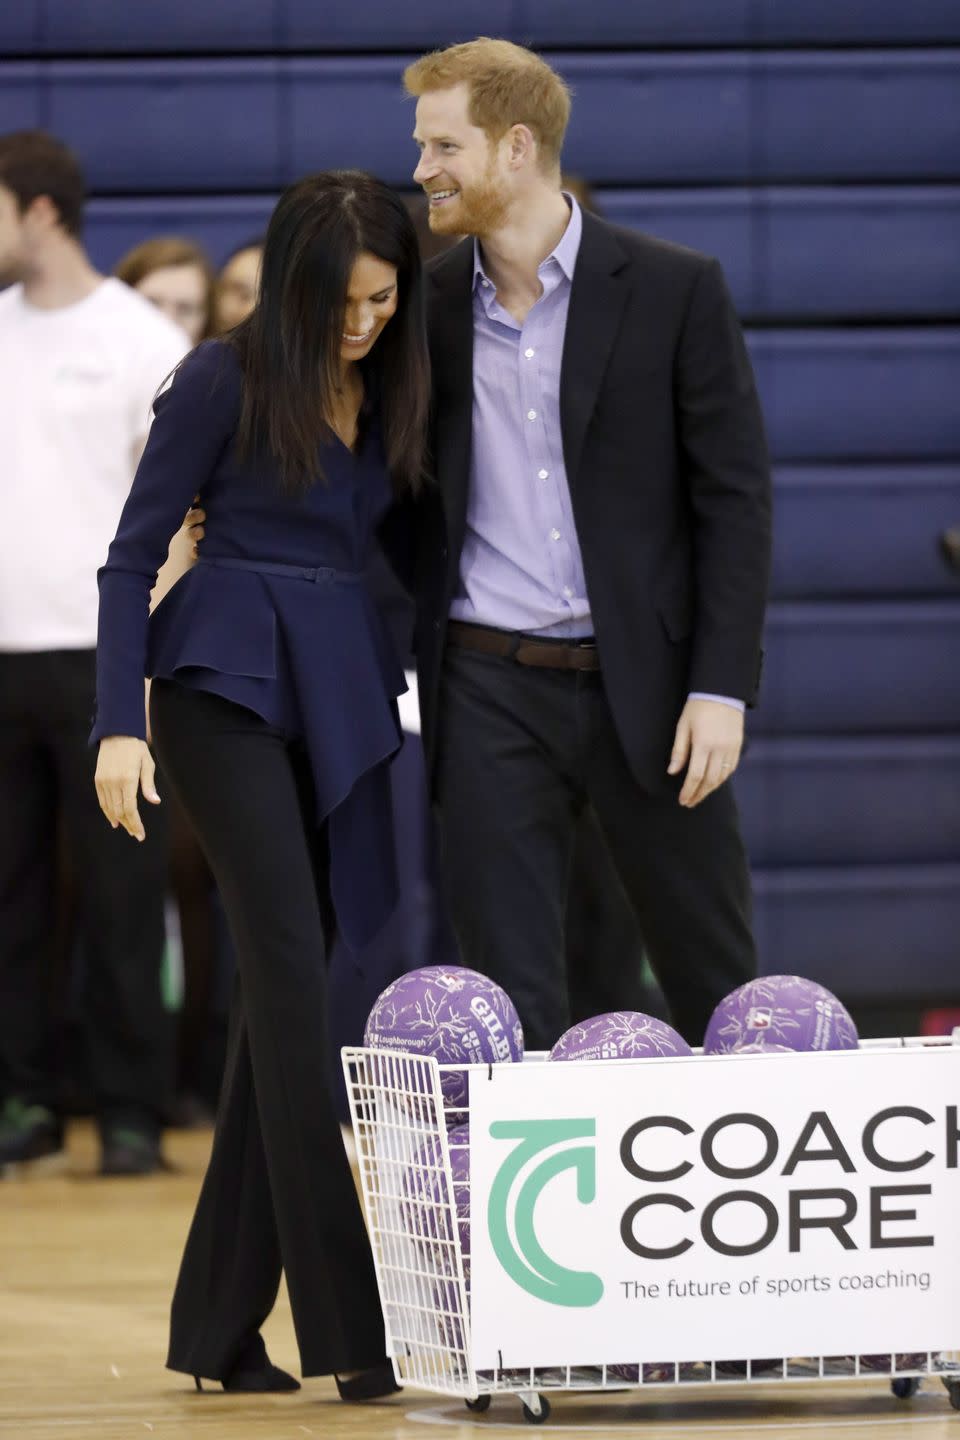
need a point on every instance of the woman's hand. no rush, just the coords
(123, 764)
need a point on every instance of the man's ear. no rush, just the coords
(521, 145)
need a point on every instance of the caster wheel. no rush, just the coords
(953, 1390)
(533, 1419)
(905, 1386)
(478, 1406)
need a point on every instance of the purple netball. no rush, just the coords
(780, 1012)
(432, 1225)
(456, 1015)
(619, 1035)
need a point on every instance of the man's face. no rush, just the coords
(460, 169)
(13, 238)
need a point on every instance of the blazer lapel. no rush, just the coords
(596, 308)
(450, 323)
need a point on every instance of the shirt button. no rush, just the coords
(554, 534)
(531, 414)
(543, 474)
(529, 354)
(568, 592)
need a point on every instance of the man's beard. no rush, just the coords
(476, 211)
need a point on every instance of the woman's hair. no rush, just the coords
(290, 346)
(508, 84)
(163, 251)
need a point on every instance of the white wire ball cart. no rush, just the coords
(410, 1118)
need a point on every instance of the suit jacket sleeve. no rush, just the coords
(728, 473)
(194, 421)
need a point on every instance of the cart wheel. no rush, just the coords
(478, 1406)
(531, 1417)
(905, 1386)
(953, 1390)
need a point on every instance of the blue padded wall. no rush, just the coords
(863, 531)
(872, 394)
(814, 146)
(116, 26)
(227, 124)
(861, 668)
(868, 800)
(876, 933)
(771, 241)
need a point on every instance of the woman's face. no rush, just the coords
(371, 302)
(237, 288)
(180, 291)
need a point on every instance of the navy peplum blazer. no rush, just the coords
(276, 615)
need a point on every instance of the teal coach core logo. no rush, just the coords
(527, 1263)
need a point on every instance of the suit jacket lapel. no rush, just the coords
(450, 320)
(596, 308)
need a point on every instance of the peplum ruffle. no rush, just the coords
(306, 649)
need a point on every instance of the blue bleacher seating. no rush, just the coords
(160, 125)
(771, 242)
(863, 800)
(799, 252)
(863, 531)
(218, 223)
(116, 26)
(827, 180)
(21, 100)
(872, 394)
(678, 119)
(860, 668)
(873, 933)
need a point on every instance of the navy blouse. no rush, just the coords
(276, 615)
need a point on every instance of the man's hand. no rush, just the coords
(709, 736)
(124, 764)
(194, 526)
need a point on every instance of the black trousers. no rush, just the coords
(520, 752)
(278, 1193)
(46, 778)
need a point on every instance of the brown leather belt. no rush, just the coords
(525, 649)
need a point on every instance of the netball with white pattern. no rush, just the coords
(619, 1035)
(780, 1010)
(458, 1016)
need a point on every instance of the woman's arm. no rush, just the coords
(195, 420)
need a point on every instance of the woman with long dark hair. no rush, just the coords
(273, 714)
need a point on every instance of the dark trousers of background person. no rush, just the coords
(278, 1193)
(46, 770)
(520, 752)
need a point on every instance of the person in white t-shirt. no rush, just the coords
(81, 358)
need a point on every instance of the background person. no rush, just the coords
(175, 275)
(237, 283)
(81, 358)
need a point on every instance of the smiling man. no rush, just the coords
(594, 564)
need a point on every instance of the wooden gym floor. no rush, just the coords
(86, 1269)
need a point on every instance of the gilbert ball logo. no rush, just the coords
(513, 1198)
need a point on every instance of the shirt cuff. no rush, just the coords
(720, 699)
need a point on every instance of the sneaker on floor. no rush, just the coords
(130, 1152)
(29, 1135)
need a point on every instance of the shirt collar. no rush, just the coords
(564, 253)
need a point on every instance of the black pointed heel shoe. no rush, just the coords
(371, 1384)
(253, 1373)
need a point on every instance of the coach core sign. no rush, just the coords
(716, 1208)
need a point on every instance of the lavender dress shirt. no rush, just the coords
(521, 567)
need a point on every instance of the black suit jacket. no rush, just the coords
(668, 471)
